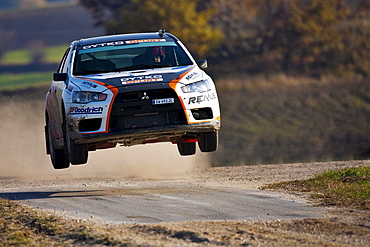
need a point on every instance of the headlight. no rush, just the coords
(199, 87)
(86, 97)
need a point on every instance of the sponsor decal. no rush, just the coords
(69, 88)
(90, 84)
(202, 98)
(144, 78)
(144, 41)
(191, 75)
(163, 101)
(88, 110)
(115, 43)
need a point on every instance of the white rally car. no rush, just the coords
(129, 89)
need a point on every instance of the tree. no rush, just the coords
(236, 19)
(310, 30)
(178, 17)
(298, 34)
(104, 11)
(309, 36)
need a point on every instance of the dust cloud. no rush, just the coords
(22, 146)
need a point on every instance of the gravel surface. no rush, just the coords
(338, 227)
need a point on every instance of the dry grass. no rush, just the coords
(280, 119)
(23, 226)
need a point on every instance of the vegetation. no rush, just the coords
(281, 119)
(22, 226)
(349, 187)
(298, 36)
(52, 54)
(24, 80)
(187, 22)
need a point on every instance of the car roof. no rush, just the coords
(122, 37)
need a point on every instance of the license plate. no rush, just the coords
(163, 101)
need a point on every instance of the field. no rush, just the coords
(21, 81)
(22, 60)
(273, 120)
(283, 120)
(51, 54)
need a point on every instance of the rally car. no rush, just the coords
(129, 89)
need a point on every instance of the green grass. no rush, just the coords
(16, 57)
(51, 54)
(348, 187)
(54, 54)
(20, 81)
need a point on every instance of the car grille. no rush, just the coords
(135, 110)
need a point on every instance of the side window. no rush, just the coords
(63, 66)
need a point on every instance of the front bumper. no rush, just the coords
(168, 133)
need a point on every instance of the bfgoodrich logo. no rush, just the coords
(88, 110)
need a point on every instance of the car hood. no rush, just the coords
(183, 74)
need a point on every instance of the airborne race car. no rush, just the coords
(129, 89)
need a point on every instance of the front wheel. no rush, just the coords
(58, 157)
(186, 148)
(77, 153)
(208, 141)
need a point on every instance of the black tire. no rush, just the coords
(59, 158)
(77, 153)
(186, 148)
(208, 141)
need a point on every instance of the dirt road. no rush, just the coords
(209, 206)
(152, 201)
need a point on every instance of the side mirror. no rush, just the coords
(203, 64)
(60, 76)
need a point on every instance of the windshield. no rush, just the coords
(102, 58)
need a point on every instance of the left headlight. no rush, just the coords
(199, 87)
(86, 97)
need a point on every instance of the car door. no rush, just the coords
(54, 105)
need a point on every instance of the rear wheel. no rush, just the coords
(186, 148)
(208, 141)
(77, 153)
(58, 157)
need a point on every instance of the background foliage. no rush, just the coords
(297, 36)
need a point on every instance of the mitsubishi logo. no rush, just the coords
(144, 96)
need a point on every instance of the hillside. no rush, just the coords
(51, 26)
(281, 120)
(285, 120)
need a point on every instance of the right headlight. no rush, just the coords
(199, 87)
(86, 97)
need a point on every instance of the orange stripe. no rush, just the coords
(114, 90)
(173, 84)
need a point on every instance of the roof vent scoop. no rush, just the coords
(161, 32)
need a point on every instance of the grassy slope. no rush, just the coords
(285, 120)
(10, 81)
(51, 54)
(348, 187)
(22, 81)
